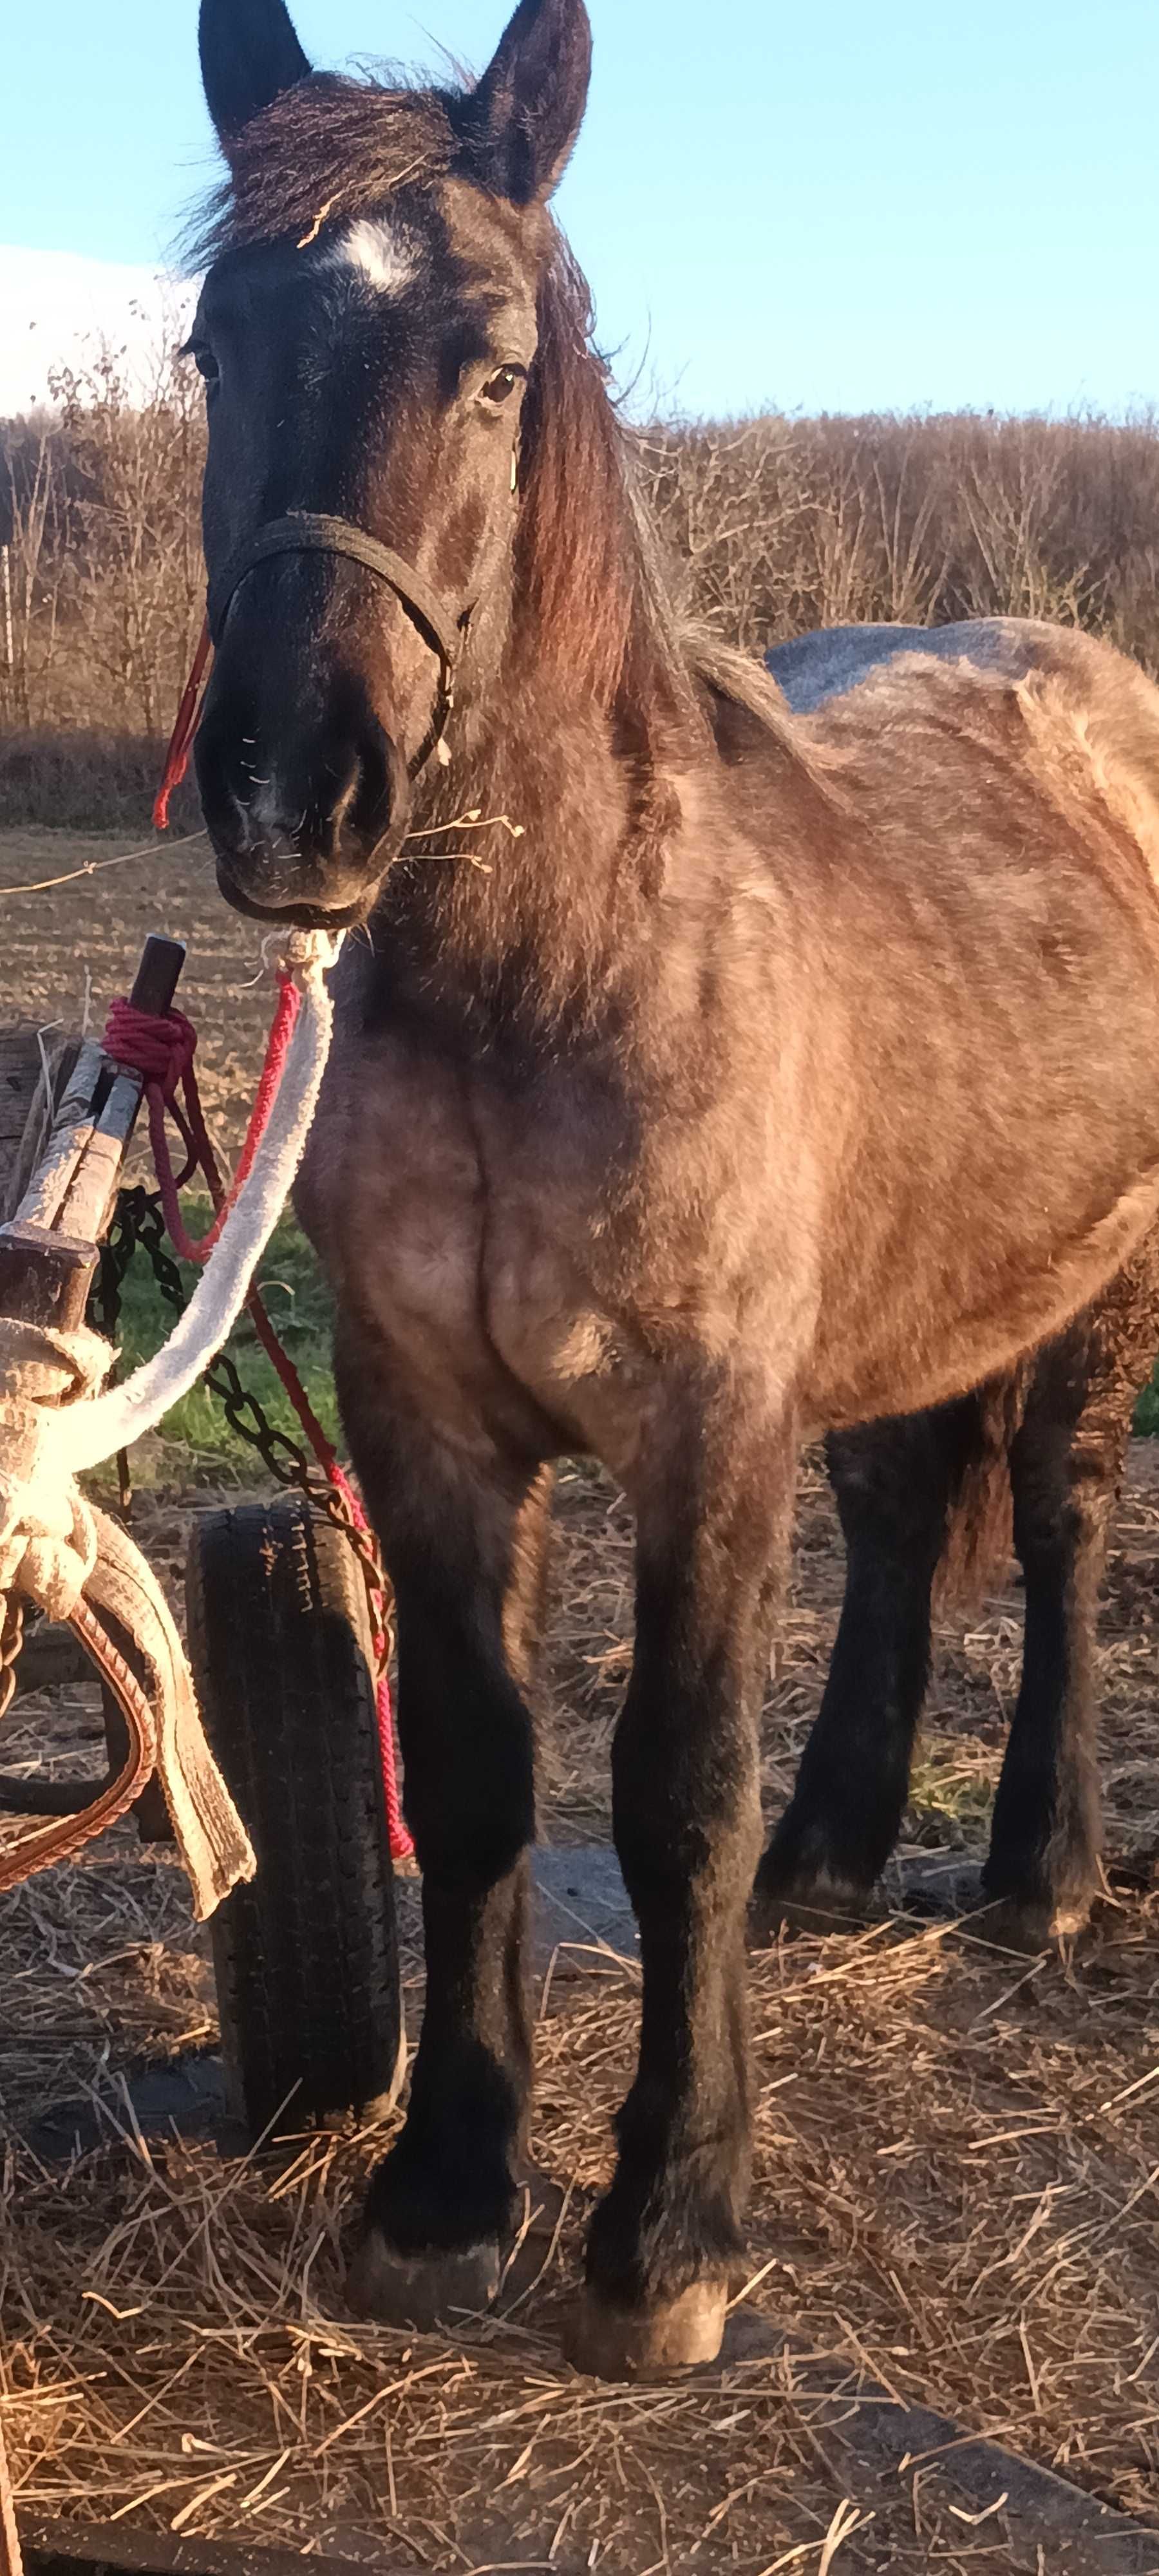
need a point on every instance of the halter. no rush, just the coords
(310, 532)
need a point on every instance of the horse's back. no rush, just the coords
(1091, 716)
(826, 664)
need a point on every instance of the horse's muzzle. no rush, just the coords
(304, 824)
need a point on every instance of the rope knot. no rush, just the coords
(159, 1045)
(47, 1538)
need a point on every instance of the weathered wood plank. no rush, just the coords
(20, 1081)
(72, 1128)
(88, 1201)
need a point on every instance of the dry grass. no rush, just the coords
(955, 2191)
(76, 779)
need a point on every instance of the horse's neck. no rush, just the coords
(524, 887)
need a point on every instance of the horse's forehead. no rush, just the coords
(377, 249)
(456, 241)
(501, 244)
(451, 248)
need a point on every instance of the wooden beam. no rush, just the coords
(21, 1075)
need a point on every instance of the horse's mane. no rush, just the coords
(737, 676)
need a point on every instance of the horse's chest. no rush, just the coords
(461, 1229)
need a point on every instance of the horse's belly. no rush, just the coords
(942, 1317)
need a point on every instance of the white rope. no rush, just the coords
(80, 1435)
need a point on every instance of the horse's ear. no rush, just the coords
(519, 125)
(249, 55)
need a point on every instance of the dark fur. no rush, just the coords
(765, 1074)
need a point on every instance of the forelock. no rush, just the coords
(328, 151)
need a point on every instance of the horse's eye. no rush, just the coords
(203, 359)
(500, 387)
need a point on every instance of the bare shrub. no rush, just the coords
(133, 581)
(30, 569)
(785, 525)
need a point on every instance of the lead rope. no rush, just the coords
(161, 1047)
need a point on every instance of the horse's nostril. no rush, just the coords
(376, 782)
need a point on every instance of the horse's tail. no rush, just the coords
(979, 1532)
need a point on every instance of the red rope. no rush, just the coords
(185, 726)
(161, 1047)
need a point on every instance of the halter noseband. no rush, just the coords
(310, 532)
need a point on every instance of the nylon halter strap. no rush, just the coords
(310, 532)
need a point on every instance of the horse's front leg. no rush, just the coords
(464, 1541)
(712, 1519)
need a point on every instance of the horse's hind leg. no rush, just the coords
(895, 1483)
(465, 1550)
(1044, 1860)
(711, 1515)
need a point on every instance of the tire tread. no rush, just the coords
(306, 1958)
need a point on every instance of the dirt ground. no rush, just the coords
(957, 2171)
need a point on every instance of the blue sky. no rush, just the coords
(850, 206)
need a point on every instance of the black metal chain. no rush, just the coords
(139, 1221)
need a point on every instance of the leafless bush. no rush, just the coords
(102, 576)
(30, 567)
(133, 582)
(784, 525)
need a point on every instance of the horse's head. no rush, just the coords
(367, 332)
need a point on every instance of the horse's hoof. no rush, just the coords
(607, 2342)
(813, 1901)
(423, 2291)
(1030, 1924)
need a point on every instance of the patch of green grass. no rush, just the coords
(1146, 1421)
(299, 1307)
(952, 1792)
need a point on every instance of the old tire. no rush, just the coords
(306, 1957)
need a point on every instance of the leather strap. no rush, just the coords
(312, 532)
